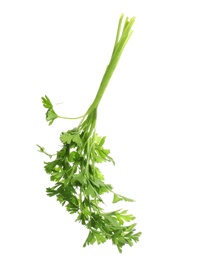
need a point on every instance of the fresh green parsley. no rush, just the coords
(79, 183)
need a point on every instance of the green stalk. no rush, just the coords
(119, 45)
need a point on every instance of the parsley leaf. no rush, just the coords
(46, 102)
(118, 198)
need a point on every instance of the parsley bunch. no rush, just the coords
(79, 183)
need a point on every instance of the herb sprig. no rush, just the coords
(79, 183)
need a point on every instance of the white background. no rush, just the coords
(153, 113)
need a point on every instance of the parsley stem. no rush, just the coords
(71, 118)
(119, 45)
(80, 199)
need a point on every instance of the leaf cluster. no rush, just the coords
(79, 185)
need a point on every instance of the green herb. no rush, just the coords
(79, 183)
